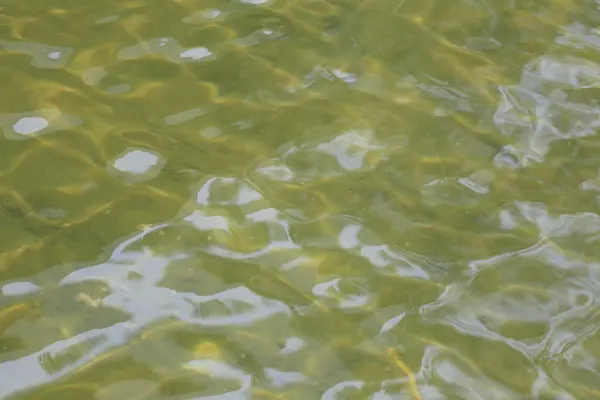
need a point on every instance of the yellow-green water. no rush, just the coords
(285, 199)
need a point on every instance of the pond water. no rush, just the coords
(284, 199)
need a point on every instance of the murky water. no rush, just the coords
(319, 199)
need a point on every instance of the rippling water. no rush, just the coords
(320, 199)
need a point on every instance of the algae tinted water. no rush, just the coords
(322, 199)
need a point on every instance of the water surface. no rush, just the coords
(318, 199)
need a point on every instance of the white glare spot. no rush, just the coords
(349, 236)
(391, 323)
(218, 369)
(283, 378)
(136, 162)
(247, 195)
(29, 125)
(280, 173)
(211, 14)
(19, 288)
(196, 53)
(292, 345)
(55, 55)
(345, 76)
(208, 222)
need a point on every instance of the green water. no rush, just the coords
(284, 199)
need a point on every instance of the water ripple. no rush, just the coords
(323, 199)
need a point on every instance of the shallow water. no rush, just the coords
(321, 199)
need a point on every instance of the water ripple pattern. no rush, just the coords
(323, 199)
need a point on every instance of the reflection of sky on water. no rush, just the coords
(135, 272)
(534, 114)
(133, 278)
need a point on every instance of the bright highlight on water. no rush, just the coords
(320, 199)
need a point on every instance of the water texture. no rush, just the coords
(317, 199)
